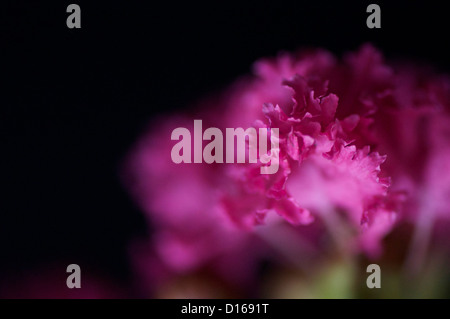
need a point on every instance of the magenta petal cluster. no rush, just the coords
(362, 146)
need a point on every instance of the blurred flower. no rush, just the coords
(338, 123)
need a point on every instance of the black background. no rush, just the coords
(74, 100)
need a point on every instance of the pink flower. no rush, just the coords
(361, 146)
(321, 172)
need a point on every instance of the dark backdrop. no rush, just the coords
(73, 101)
